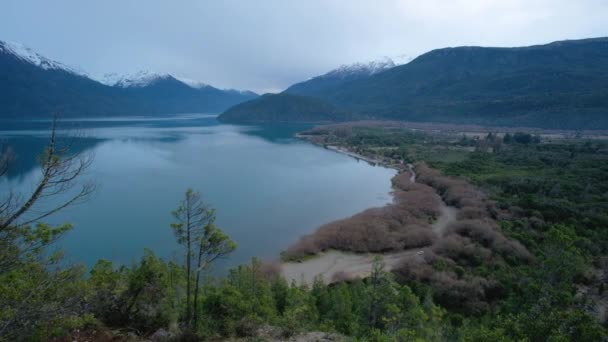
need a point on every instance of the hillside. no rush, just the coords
(318, 85)
(285, 108)
(34, 86)
(558, 85)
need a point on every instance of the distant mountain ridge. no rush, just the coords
(35, 86)
(561, 85)
(343, 74)
(28, 55)
(141, 78)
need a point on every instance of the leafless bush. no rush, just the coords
(304, 247)
(342, 277)
(270, 269)
(414, 270)
(471, 213)
(455, 191)
(379, 229)
(416, 237)
(402, 181)
(469, 294)
(462, 250)
(487, 233)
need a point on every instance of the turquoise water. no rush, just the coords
(268, 187)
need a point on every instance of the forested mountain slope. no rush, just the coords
(559, 85)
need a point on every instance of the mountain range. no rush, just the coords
(35, 86)
(558, 85)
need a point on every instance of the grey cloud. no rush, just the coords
(266, 45)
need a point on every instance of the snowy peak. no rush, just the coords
(145, 78)
(26, 54)
(139, 79)
(402, 59)
(363, 69)
(241, 92)
(192, 83)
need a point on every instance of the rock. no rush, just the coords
(161, 335)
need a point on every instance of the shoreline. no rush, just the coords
(333, 265)
(345, 151)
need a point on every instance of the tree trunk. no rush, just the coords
(196, 284)
(188, 262)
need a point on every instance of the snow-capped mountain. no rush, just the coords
(35, 86)
(193, 83)
(359, 69)
(137, 80)
(145, 78)
(402, 59)
(26, 54)
(345, 73)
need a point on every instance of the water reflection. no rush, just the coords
(268, 187)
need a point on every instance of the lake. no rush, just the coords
(268, 187)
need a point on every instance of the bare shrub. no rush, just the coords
(462, 250)
(465, 295)
(270, 269)
(342, 277)
(513, 248)
(416, 237)
(403, 224)
(487, 233)
(304, 247)
(454, 191)
(419, 200)
(402, 181)
(470, 213)
(470, 295)
(414, 270)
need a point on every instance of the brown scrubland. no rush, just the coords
(474, 239)
(471, 240)
(404, 224)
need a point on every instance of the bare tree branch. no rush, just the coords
(61, 168)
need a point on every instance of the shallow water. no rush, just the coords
(268, 187)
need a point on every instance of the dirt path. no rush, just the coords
(335, 264)
(448, 215)
(332, 265)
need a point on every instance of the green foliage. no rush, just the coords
(560, 218)
(143, 296)
(204, 243)
(560, 85)
(38, 301)
(551, 183)
(551, 196)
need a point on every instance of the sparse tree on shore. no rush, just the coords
(195, 230)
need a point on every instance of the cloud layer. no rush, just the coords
(267, 45)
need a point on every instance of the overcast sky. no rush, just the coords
(267, 45)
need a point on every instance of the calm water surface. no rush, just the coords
(268, 187)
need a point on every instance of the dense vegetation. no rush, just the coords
(285, 108)
(29, 91)
(559, 85)
(549, 196)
